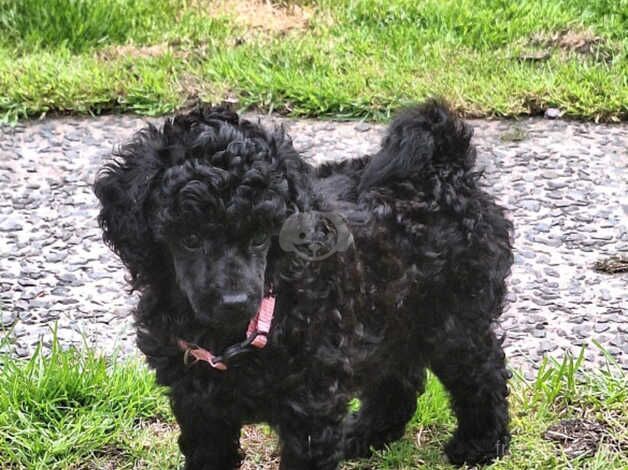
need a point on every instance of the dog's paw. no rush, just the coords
(362, 438)
(476, 451)
(355, 442)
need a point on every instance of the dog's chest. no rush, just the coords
(250, 388)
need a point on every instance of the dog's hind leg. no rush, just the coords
(471, 366)
(386, 407)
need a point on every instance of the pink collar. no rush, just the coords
(256, 336)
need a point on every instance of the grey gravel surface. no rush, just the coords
(563, 182)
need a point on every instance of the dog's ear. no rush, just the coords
(123, 188)
(297, 173)
(299, 185)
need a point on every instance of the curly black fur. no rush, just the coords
(194, 210)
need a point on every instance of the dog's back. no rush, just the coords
(417, 207)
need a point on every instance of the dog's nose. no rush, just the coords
(234, 300)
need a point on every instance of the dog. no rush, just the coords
(275, 291)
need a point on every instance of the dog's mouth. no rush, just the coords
(225, 319)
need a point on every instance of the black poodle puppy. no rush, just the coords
(273, 291)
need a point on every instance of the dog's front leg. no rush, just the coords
(311, 432)
(207, 441)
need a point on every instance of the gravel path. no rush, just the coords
(564, 183)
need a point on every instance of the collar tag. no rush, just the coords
(261, 322)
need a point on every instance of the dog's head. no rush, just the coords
(201, 203)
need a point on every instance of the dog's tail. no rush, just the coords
(425, 136)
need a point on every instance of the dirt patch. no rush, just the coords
(108, 458)
(534, 56)
(577, 437)
(274, 17)
(612, 265)
(515, 134)
(582, 42)
(534, 105)
(176, 48)
(140, 52)
(159, 428)
(261, 447)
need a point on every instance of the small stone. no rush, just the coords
(38, 303)
(60, 290)
(7, 318)
(530, 205)
(550, 241)
(601, 327)
(547, 346)
(553, 113)
(527, 254)
(19, 330)
(67, 278)
(362, 127)
(613, 351)
(9, 224)
(551, 272)
(55, 257)
(605, 295)
(22, 350)
(550, 175)
(556, 184)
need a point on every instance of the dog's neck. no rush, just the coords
(218, 339)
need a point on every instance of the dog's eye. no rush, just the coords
(259, 240)
(191, 241)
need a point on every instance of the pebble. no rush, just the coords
(563, 186)
(362, 127)
(10, 224)
(530, 205)
(547, 346)
(601, 327)
(22, 350)
(7, 318)
(553, 113)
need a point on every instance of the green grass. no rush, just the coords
(81, 25)
(74, 410)
(68, 408)
(352, 59)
